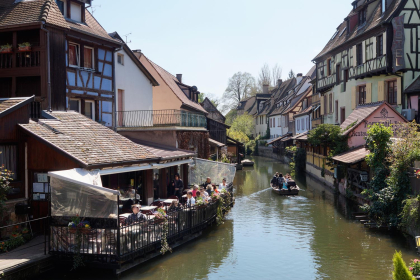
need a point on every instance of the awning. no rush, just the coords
(286, 139)
(215, 143)
(144, 167)
(353, 156)
(277, 139)
(298, 136)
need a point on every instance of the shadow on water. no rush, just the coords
(310, 236)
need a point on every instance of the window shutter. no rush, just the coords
(332, 102)
(327, 105)
(384, 43)
(369, 93)
(381, 91)
(322, 105)
(363, 51)
(353, 98)
(399, 95)
(354, 55)
(374, 48)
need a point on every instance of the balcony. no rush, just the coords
(160, 118)
(326, 83)
(369, 68)
(20, 59)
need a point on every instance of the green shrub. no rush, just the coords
(401, 271)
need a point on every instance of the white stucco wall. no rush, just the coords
(276, 130)
(138, 91)
(307, 124)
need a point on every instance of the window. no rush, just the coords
(359, 54)
(383, 6)
(325, 104)
(392, 92)
(330, 103)
(336, 111)
(346, 79)
(298, 125)
(60, 5)
(74, 105)
(342, 114)
(74, 54)
(302, 124)
(76, 12)
(88, 58)
(120, 59)
(329, 66)
(8, 158)
(362, 17)
(379, 46)
(362, 94)
(90, 109)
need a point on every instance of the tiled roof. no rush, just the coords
(375, 20)
(304, 112)
(216, 143)
(353, 156)
(8, 104)
(296, 101)
(87, 141)
(172, 82)
(165, 152)
(278, 138)
(37, 11)
(358, 116)
(414, 87)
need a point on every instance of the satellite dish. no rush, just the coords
(194, 88)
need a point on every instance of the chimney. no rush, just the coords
(137, 53)
(298, 78)
(279, 82)
(179, 77)
(265, 89)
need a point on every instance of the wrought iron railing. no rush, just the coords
(113, 242)
(160, 118)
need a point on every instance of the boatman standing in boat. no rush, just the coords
(275, 181)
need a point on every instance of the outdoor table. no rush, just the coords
(168, 202)
(147, 208)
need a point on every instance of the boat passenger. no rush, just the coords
(203, 192)
(179, 186)
(223, 185)
(136, 216)
(280, 180)
(190, 199)
(198, 195)
(207, 182)
(274, 181)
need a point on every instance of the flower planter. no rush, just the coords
(201, 206)
(159, 221)
(82, 230)
(25, 49)
(8, 50)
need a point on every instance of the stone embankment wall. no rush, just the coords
(268, 152)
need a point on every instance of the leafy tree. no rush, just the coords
(401, 271)
(329, 135)
(201, 97)
(243, 123)
(240, 86)
(238, 135)
(231, 116)
(269, 76)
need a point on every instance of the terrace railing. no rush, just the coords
(160, 118)
(112, 242)
(369, 67)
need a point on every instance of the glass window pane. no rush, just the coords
(88, 58)
(73, 55)
(89, 110)
(74, 105)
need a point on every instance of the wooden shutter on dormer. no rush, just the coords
(353, 97)
(369, 93)
(381, 91)
(399, 91)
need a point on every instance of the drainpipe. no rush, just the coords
(48, 68)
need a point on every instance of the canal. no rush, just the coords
(311, 236)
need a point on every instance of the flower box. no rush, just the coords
(82, 230)
(201, 206)
(25, 49)
(158, 221)
(6, 50)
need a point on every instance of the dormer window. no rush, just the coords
(383, 6)
(76, 11)
(362, 17)
(60, 5)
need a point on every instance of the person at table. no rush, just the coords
(207, 182)
(209, 189)
(156, 186)
(223, 185)
(171, 188)
(179, 186)
(190, 199)
(174, 206)
(204, 194)
(136, 216)
(194, 191)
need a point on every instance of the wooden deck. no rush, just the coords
(28, 259)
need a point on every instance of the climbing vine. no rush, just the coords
(198, 140)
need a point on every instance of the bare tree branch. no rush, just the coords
(276, 74)
(240, 86)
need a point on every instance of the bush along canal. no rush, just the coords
(310, 236)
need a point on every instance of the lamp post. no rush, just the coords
(418, 243)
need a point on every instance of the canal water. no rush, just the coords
(265, 236)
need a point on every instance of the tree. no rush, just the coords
(291, 74)
(239, 87)
(5, 178)
(276, 72)
(269, 76)
(213, 99)
(201, 97)
(401, 271)
(231, 116)
(243, 123)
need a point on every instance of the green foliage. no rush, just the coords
(231, 116)
(244, 123)
(410, 214)
(329, 135)
(390, 186)
(349, 193)
(291, 149)
(414, 267)
(401, 271)
(201, 97)
(300, 160)
(5, 178)
(14, 242)
(251, 147)
(238, 136)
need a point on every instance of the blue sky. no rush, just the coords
(209, 41)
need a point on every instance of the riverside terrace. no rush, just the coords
(108, 241)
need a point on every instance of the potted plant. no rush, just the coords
(160, 216)
(415, 268)
(200, 203)
(77, 224)
(6, 48)
(25, 47)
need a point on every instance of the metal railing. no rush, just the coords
(159, 118)
(113, 242)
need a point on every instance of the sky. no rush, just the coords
(209, 41)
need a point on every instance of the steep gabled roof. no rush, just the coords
(14, 13)
(172, 83)
(296, 101)
(375, 20)
(214, 109)
(86, 141)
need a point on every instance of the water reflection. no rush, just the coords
(311, 236)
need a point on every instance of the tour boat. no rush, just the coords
(293, 191)
(247, 163)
